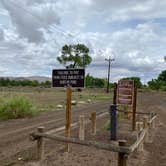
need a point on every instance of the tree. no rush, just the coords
(137, 81)
(75, 56)
(162, 76)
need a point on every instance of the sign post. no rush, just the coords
(127, 95)
(68, 78)
(68, 115)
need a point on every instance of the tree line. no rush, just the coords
(159, 83)
(6, 82)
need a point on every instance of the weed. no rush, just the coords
(17, 107)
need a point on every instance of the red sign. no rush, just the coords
(125, 92)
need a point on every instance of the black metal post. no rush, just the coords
(113, 122)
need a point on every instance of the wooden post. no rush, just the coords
(82, 128)
(145, 122)
(153, 122)
(40, 145)
(122, 158)
(139, 127)
(93, 120)
(68, 115)
(145, 126)
(134, 107)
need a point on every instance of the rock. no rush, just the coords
(59, 106)
(81, 102)
(73, 102)
(89, 100)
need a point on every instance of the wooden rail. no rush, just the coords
(122, 149)
(99, 145)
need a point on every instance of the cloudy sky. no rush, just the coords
(133, 32)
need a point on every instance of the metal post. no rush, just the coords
(113, 122)
(115, 93)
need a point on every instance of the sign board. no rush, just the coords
(68, 77)
(125, 92)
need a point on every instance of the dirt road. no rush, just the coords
(14, 133)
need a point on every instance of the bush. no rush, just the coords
(17, 107)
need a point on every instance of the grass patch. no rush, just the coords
(107, 126)
(16, 107)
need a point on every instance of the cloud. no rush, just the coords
(41, 27)
(29, 19)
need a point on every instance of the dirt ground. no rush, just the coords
(17, 150)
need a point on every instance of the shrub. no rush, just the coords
(17, 107)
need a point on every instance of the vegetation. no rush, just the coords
(75, 56)
(94, 82)
(16, 107)
(137, 80)
(7, 82)
(159, 83)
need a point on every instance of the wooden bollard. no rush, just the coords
(82, 128)
(137, 129)
(93, 120)
(145, 122)
(153, 122)
(141, 146)
(122, 158)
(40, 144)
(145, 126)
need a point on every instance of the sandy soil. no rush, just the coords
(17, 150)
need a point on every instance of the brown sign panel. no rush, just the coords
(68, 77)
(125, 92)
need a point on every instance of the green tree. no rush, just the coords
(137, 80)
(162, 76)
(75, 56)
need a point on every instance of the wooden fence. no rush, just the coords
(142, 129)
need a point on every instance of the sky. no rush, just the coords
(32, 33)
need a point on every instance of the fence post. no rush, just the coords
(145, 126)
(113, 122)
(139, 127)
(40, 144)
(122, 158)
(82, 128)
(93, 120)
(153, 122)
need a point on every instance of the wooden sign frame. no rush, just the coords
(125, 93)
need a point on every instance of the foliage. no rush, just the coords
(34, 83)
(17, 107)
(159, 83)
(137, 80)
(107, 125)
(162, 77)
(75, 56)
(94, 82)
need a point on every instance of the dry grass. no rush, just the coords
(47, 99)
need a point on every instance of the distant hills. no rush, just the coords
(31, 78)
